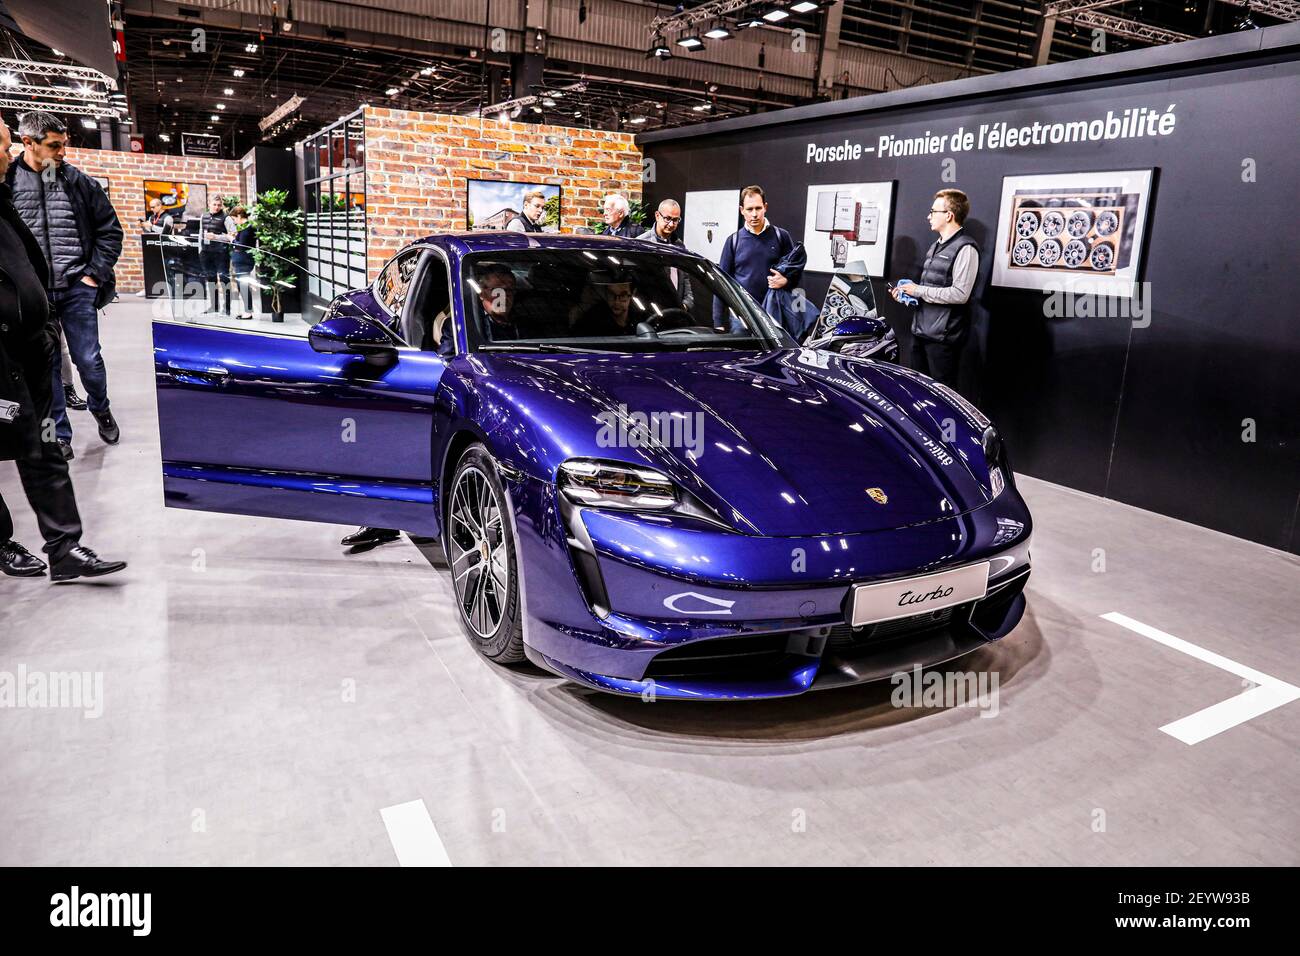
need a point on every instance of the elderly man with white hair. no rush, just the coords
(617, 222)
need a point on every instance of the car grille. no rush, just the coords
(752, 656)
(845, 635)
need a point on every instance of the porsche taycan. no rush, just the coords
(631, 492)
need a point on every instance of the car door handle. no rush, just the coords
(198, 374)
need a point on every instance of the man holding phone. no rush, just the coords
(941, 324)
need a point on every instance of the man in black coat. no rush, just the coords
(28, 349)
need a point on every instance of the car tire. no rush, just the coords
(478, 534)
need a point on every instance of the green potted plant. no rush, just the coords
(279, 234)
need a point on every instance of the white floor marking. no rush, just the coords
(1226, 714)
(413, 835)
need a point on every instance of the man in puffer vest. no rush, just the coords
(81, 239)
(942, 321)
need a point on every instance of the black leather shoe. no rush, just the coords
(367, 538)
(81, 562)
(17, 562)
(72, 399)
(108, 429)
(65, 449)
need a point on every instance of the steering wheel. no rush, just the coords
(670, 320)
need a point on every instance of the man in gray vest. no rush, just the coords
(942, 321)
(79, 234)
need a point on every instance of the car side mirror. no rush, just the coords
(853, 328)
(352, 335)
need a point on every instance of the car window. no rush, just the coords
(220, 277)
(394, 281)
(426, 317)
(581, 299)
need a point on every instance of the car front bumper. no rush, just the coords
(648, 605)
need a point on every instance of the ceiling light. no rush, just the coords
(221, 106)
(56, 52)
(637, 119)
(691, 41)
(391, 91)
(8, 79)
(548, 102)
(750, 24)
(427, 71)
(165, 137)
(776, 15)
(238, 72)
(89, 123)
(250, 48)
(719, 32)
(804, 6)
(214, 117)
(229, 91)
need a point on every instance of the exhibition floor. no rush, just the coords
(267, 699)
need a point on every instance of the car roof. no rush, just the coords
(486, 240)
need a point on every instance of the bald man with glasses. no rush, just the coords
(941, 324)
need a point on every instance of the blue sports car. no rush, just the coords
(630, 492)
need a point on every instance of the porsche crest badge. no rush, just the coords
(878, 495)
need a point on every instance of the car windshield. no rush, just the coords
(606, 301)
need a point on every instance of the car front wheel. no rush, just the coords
(480, 546)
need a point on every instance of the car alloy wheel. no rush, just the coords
(1026, 223)
(1024, 251)
(479, 543)
(480, 570)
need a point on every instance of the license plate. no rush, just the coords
(890, 600)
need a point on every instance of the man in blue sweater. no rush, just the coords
(749, 254)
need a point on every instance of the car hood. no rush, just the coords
(787, 443)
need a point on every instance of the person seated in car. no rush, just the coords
(496, 288)
(612, 312)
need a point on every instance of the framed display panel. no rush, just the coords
(183, 200)
(846, 222)
(709, 216)
(492, 203)
(1080, 232)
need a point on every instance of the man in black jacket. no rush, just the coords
(28, 348)
(81, 239)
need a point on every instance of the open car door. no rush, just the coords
(319, 412)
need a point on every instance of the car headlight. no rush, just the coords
(606, 484)
(996, 456)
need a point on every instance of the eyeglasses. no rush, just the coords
(668, 218)
(933, 211)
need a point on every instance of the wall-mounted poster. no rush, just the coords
(849, 222)
(1073, 232)
(491, 204)
(708, 218)
(181, 200)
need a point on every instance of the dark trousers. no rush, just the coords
(43, 471)
(74, 308)
(939, 360)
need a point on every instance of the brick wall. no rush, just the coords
(126, 173)
(417, 163)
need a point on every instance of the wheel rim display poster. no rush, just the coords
(1073, 232)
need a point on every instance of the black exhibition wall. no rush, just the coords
(1155, 409)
